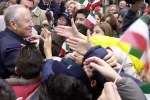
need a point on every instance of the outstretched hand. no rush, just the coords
(100, 65)
(67, 31)
(47, 43)
(79, 45)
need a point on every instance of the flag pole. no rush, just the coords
(122, 65)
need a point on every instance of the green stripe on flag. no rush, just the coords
(145, 88)
(81, 1)
(136, 52)
(144, 19)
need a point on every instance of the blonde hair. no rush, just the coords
(106, 28)
(77, 4)
(109, 8)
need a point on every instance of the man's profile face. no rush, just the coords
(29, 4)
(24, 23)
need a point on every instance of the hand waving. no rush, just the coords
(79, 45)
(47, 43)
(67, 31)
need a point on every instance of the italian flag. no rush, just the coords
(90, 21)
(101, 10)
(85, 3)
(137, 35)
(146, 90)
(95, 4)
(65, 48)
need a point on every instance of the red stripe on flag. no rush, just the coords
(89, 24)
(88, 6)
(95, 5)
(135, 39)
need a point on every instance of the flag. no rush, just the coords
(85, 3)
(146, 90)
(65, 48)
(90, 21)
(137, 35)
(95, 4)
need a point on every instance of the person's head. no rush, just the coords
(36, 3)
(3, 7)
(112, 9)
(64, 19)
(144, 76)
(120, 19)
(122, 4)
(72, 6)
(82, 28)
(57, 42)
(80, 16)
(63, 87)
(97, 16)
(29, 62)
(111, 20)
(29, 4)
(6, 92)
(102, 29)
(18, 19)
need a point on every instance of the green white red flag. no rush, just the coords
(137, 35)
(90, 21)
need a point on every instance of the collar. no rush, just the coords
(34, 10)
(14, 35)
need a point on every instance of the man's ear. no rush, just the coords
(93, 83)
(16, 70)
(13, 24)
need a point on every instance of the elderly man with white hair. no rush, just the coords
(18, 27)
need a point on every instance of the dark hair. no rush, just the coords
(29, 62)
(6, 92)
(82, 28)
(19, 1)
(98, 13)
(122, 12)
(81, 11)
(113, 21)
(63, 87)
(57, 42)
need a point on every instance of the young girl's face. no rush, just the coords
(97, 31)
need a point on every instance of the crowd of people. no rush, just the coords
(48, 52)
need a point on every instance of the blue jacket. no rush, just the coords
(10, 44)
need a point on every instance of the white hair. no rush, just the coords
(12, 13)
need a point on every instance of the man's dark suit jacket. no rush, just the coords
(53, 6)
(10, 44)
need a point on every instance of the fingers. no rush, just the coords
(96, 60)
(112, 62)
(110, 92)
(109, 55)
(72, 23)
(89, 36)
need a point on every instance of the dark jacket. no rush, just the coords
(54, 67)
(53, 6)
(128, 19)
(10, 44)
